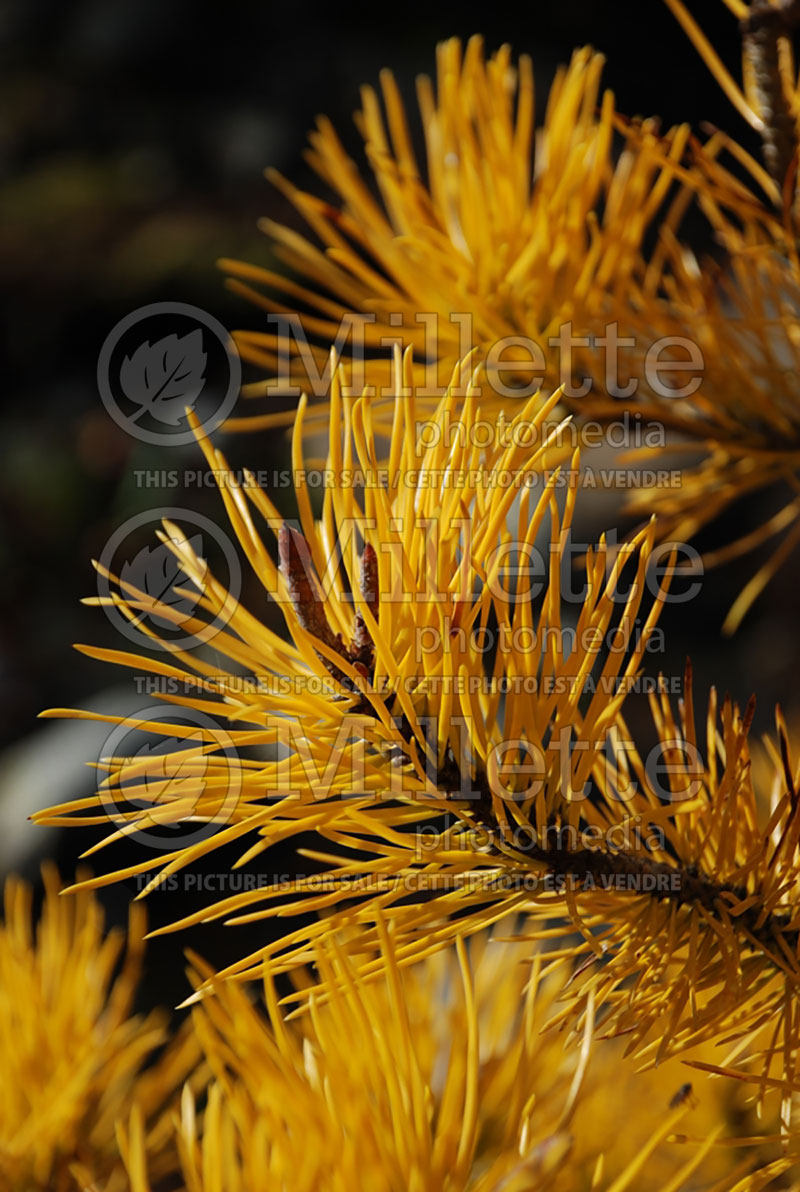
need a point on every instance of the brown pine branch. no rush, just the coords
(363, 648)
(308, 603)
(762, 30)
(587, 868)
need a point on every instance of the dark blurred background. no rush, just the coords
(132, 143)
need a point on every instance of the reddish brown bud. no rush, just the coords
(298, 571)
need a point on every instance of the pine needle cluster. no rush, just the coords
(511, 898)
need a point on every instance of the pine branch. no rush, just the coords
(762, 29)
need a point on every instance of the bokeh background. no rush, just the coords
(132, 143)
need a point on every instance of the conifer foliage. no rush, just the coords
(513, 888)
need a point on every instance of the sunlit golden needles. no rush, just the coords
(445, 715)
(506, 229)
(75, 1056)
(739, 411)
(498, 239)
(404, 710)
(451, 788)
(440, 1077)
(741, 424)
